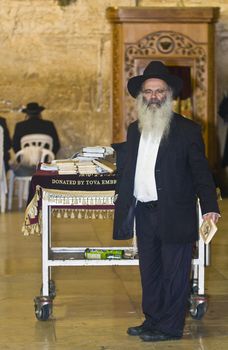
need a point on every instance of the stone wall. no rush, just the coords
(61, 58)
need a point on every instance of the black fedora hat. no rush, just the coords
(155, 69)
(33, 108)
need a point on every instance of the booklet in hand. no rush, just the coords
(207, 230)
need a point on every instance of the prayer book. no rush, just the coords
(105, 164)
(207, 230)
(92, 154)
(48, 167)
(95, 149)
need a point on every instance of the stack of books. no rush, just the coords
(66, 166)
(93, 152)
(91, 160)
(86, 168)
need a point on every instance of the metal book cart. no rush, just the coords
(74, 256)
(70, 256)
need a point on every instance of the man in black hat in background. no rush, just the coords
(165, 171)
(34, 124)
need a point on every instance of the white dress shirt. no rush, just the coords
(145, 186)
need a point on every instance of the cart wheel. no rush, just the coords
(42, 313)
(199, 311)
(43, 308)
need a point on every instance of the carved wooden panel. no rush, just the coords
(166, 46)
(176, 36)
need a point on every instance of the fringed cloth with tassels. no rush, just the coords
(95, 202)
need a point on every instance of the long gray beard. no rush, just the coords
(155, 120)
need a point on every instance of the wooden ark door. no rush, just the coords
(182, 38)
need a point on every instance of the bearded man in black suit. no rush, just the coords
(164, 173)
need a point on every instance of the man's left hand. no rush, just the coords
(211, 216)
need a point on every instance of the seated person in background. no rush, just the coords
(34, 124)
(6, 142)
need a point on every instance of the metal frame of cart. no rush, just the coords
(73, 256)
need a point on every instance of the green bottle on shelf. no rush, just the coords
(103, 254)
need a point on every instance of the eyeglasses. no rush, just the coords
(157, 92)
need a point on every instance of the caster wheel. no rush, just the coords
(43, 308)
(199, 311)
(42, 313)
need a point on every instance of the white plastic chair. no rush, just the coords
(3, 182)
(30, 155)
(41, 140)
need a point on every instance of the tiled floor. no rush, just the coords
(95, 305)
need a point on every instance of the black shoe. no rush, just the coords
(138, 330)
(158, 336)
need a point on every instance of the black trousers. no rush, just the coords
(165, 274)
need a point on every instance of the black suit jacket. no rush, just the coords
(182, 174)
(6, 142)
(35, 126)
